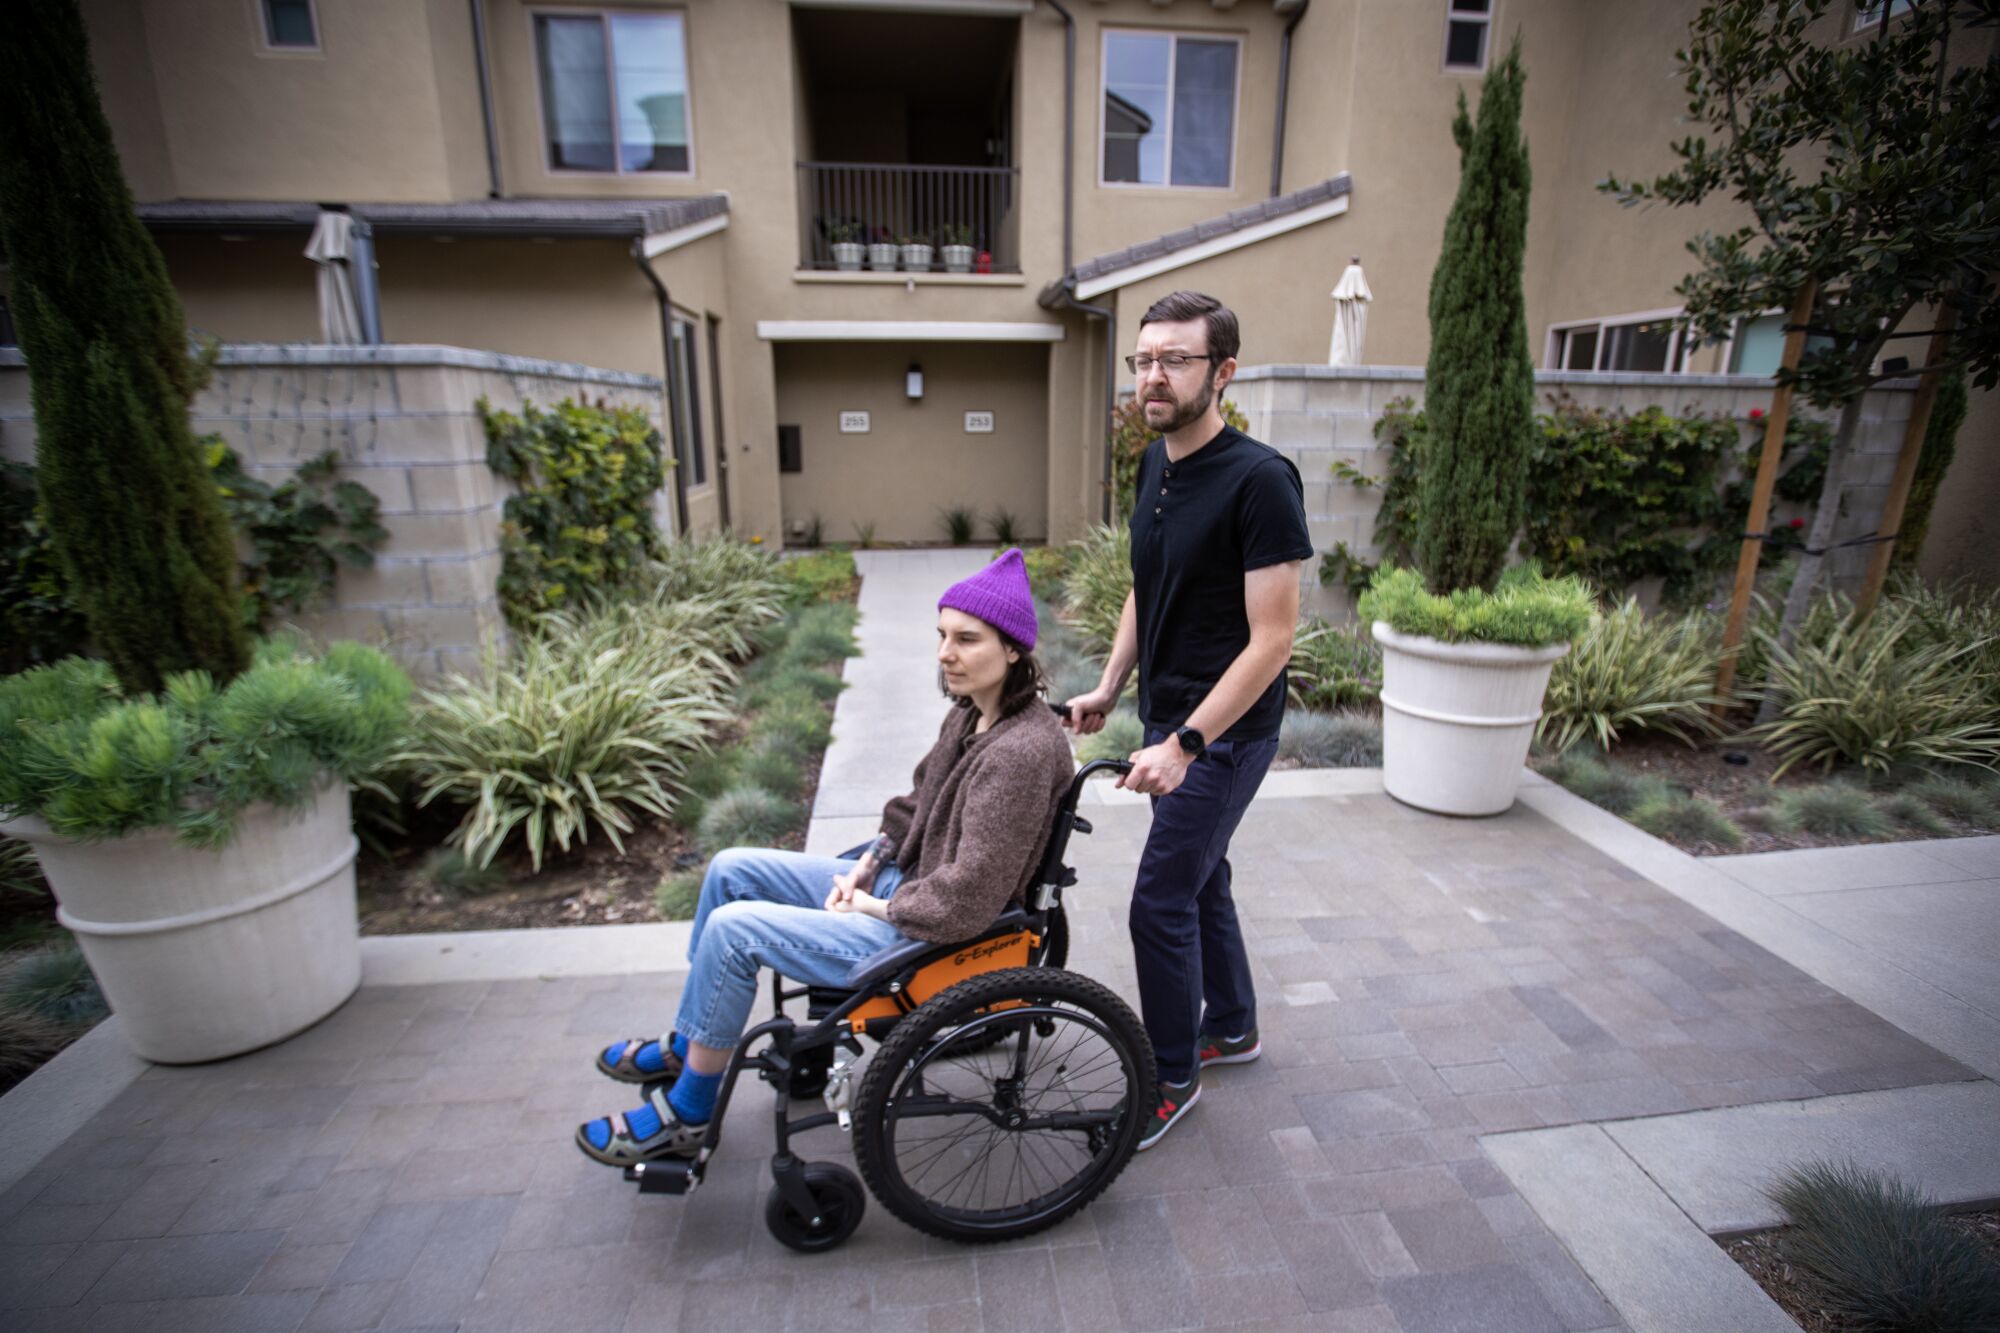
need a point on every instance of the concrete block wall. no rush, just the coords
(405, 423)
(1318, 415)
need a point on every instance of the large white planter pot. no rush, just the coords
(1457, 719)
(206, 954)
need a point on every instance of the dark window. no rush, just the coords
(1466, 27)
(289, 23)
(790, 455)
(687, 407)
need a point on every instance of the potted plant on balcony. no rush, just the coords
(1466, 649)
(186, 799)
(882, 255)
(958, 251)
(847, 250)
(916, 255)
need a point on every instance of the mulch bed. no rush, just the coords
(1705, 770)
(1758, 1255)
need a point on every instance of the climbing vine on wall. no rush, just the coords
(1614, 497)
(296, 534)
(582, 517)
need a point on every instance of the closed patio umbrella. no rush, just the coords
(1350, 316)
(331, 249)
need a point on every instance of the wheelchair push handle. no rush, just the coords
(1095, 765)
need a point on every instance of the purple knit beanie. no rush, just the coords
(998, 595)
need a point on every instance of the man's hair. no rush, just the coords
(1224, 341)
(1023, 684)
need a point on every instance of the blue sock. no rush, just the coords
(678, 1045)
(693, 1096)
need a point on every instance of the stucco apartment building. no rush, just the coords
(660, 187)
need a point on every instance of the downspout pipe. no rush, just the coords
(1110, 319)
(667, 382)
(1069, 139)
(1284, 89)
(498, 191)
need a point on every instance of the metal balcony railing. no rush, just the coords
(850, 204)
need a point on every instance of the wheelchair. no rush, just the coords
(1005, 1094)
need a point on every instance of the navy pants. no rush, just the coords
(1185, 936)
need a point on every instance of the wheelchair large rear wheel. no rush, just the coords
(982, 1140)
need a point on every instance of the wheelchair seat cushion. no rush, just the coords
(879, 967)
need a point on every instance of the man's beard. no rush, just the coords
(1185, 413)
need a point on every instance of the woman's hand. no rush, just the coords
(854, 898)
(857, 880)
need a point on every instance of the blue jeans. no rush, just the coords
(767, 909)
(1185, 937)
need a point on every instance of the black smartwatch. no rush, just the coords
(1192, 744)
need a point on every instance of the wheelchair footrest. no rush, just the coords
(668, 1176)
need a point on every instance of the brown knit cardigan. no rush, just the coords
(969, 836)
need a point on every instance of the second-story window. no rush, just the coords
(1468, 24)
(289, 26)
(614, 91)
(1169, 109)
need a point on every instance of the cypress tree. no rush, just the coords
(1479, 384)
(134, 518)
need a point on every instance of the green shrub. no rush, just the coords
(772, 763)
(1096, 585)
(1122, 734)
(678, 895)
(573, 733)
(1333, 666)
(97, 764)
(790, 682)
(41, 620)
(1129, 437)
(959, 522)
(20, 871)
(1046, 566)
(798, 722)
(1955, 798)
(54, 983)
(1525, 610)
(740, 587)
(1861, 696)
(1629, 672)
(708, 774)
(1684, 818)
(820, 636)
(1768, 818)
(27, 1042)
(448, 871)
(1876, 1253)
(1005, 527)
(1911, 812)
(822, 576)
(745, 816)
(1603, 784)
(1330, 740)
(297, 534)
(1833, 810)
(581, 516)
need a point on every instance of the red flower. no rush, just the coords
(1756, 414)
(1796, 523)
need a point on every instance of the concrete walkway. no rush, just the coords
(1472, 1030)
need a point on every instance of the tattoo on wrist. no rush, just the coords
(883, 849)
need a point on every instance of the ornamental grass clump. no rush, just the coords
(95, 763)
(55, 983)
(1334, 666)
(1833, 810)
(1910, 812)
(678, 895)
(1096, 583)
(1679, 817)
(821, 635)
(1876, 1253)
(1330, 740)
(1631, 672)
(1867, 697)
(1957, 799)
(745, 816)
(1603, 784)
(575, 732)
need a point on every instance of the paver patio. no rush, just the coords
(407, 1163)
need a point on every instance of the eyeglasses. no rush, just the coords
(1171, 362)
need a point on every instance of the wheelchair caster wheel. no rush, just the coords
(836, 1193)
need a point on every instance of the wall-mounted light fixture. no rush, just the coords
(913, 382)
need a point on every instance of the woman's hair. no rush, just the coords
(1023, 684)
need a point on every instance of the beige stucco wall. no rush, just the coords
(916, 457)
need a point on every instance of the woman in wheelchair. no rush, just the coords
(952, 855)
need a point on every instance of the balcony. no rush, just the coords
(866, 217)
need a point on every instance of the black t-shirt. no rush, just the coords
(1198, 526)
